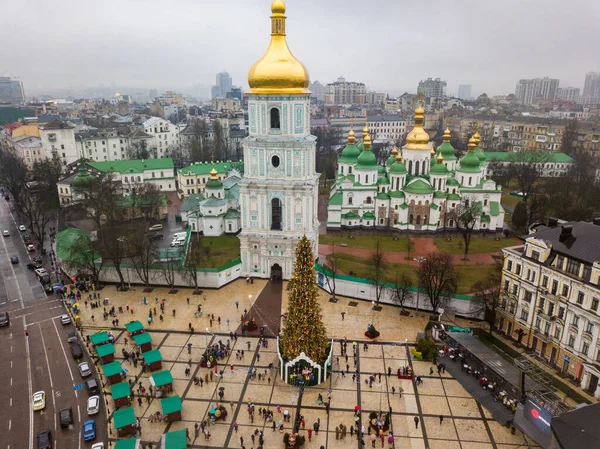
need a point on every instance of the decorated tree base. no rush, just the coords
(250, 325)
(292, 440)
(302, 371)
(379, 421)
(372, 336)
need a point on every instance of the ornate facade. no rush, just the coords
(418, 189)
(279, 191)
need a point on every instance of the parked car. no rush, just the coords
(45, 439)
(30, 248)
(14, 260)
(93, 405)
(156, 227)
(7, 198)
(48, 288)
(33, 265)
(66, 417)
(89, 430)
(44, 279)
(40, 272)
(176, 243)
(5, 233)
(26, 236)
(92, 387)
(39, 401)
(155, 236)
(72, 337)
(98, 446)
(4, 319)
(76, 351)
(22, 228)
(84, 369)
(65, 319)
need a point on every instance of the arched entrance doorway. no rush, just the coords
(276, 273)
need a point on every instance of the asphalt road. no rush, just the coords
(40, 361)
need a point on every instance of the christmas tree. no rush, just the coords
(304, 331)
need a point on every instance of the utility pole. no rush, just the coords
(419, 260)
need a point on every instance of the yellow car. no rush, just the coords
(39, 401)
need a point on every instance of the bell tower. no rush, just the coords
(279, 191)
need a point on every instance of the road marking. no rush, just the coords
(47, 361)
(11, 381)
(2, 302)
(9, 424)
(11, 402)
(80, 439)
(15, 300)
(64, 353)
(16, 279)
(30, 386)
(43, 321)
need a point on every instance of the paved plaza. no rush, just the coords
(465, 424)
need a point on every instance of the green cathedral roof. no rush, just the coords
(469, 163)
(419, 186)
(349, 154)
(398, 168)
(447, 151)
(366, 161)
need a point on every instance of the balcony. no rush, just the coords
(541, 335)
(587, 336)
(573, 328)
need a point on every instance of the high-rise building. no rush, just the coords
(568, 94)
(317, 90)
(591, 88)
(528, 90)
(464, 91)
(345, 92)
(11, 90)
(223, 85)
(432, 88)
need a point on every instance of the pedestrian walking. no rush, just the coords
(416, 422)
(441, 419)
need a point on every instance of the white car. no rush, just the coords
(93, 405)
(30, 248)
(84, 369)
(22, 228)
(177, 243)
(39, 400)
(65, 319)
(6, 233)
(41, 272)
(98, 446)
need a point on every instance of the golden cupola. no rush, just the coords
(278, 71)
(418, 139)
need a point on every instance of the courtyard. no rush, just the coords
(465, 423)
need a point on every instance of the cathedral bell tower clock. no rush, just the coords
(279, 190)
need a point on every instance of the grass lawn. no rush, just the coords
(470, 274)
(479, 245)
(365, 242)
(508, 199)
(223, 249)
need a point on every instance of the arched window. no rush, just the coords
(369, 200)
(275, 123)
(410, 219)
(467, 203)
(229, 226)
(470, 180)
(418, 219)
(410, 167)
(350, 200)
(417, 168)
(342, 169)
(276, 215)
(349, 170)
(425, 219)
(451, 223)
(366, 179)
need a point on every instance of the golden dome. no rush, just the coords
(213, 173)
(472, 144)
(440, 158)
(394, 150)
(351, 137)
(447, 135)
(278, 71)
(367, 142)
(477, 138)
(366, 130)
(418, 139)
(399, 157)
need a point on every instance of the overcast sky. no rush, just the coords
(388, 44)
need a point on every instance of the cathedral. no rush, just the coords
(279, 190)
(418, 189)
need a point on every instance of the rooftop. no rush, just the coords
(505, 156)
(133, 166)
(578, 428)
(583, 244)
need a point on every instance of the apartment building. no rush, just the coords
(432, 88)
(551, 298)
(391, 127)
(165, 135)
(345, 92)
(58, 140)
(529, 90)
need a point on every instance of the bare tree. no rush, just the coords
(84, 256)
(113, 249)
(569, 138)
(401, 290)
(138, 150)
(38, 208)
(438, 279)
(142, 252)
(331, 270)
(102, 200)
(527, 169)
(220, 141)
(466, 219)
(489, 292)
(196, 258)
(169, 269)
(13, 173)
(377, 269)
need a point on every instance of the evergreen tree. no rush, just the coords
(519, 220)
(304, 331)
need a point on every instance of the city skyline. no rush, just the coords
(492, 59)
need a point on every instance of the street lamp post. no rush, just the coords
(419, 260)
(206, 329)
(373, 314)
